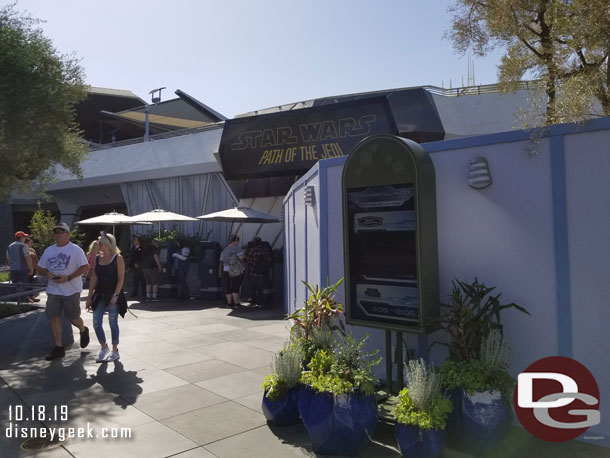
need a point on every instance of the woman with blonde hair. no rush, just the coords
(94, 249)
(106, 295)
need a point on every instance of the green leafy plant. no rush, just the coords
(285, 372)
(487, 373)
(320, 310)
(421, 403)
(319, 339)
(41, 229)
(472, 313)
(343, 370)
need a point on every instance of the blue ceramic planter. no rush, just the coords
(338, 425)
(416, 443)
(283, 411)
(479, 422)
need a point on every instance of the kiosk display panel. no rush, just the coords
(390, 235)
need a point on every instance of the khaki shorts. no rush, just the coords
(70, 305)
(151, 276)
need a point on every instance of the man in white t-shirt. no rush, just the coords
(63, 264)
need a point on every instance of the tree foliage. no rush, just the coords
(39, 89)
(564, 43)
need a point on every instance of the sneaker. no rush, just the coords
(56, 353)
(84, 337)
(102, 355)
(155, 299)
(114, 356)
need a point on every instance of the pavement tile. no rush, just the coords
(215, 422)
(212, 328)
(281, 329)
(269, 343)
(149, 349)
(237, 354)
(265, 442)
(174, 358)
(252, 401)
(146, 326)
(175, 401)
(204, 370)
(235, 385)
(199, 452)
(152, 440)
(10, 447)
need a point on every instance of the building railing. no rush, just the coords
(171, 134)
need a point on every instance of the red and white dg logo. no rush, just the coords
(557, 399)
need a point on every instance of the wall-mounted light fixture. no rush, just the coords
(479, 176)
(309, 196)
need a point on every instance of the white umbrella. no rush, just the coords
(113, 218)
(240, 215)
(159, 215)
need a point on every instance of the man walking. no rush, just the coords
(63, 264)
(19, 259)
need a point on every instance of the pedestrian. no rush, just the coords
(231, 270)
(135, 266)
(182, 265)
(94, 248)
(34, 257)
(63, 264)
(19, 260)
(258, 261)
(106, 295)
(151, 267)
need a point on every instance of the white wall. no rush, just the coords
(588, 197)
(508, 235)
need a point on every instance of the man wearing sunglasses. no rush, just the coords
(64, 264)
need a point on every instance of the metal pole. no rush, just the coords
(388, 360)
(399, 360)
(146, 123)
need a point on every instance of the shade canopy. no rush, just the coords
(159, 216)
(240, 215)
(113, 218)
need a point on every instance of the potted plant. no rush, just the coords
(476, 369)
(421, 413)
(337, 402)
(481, 391)
(319, 311)
(281, 387)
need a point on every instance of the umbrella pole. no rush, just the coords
(159, 229)
(113, 229)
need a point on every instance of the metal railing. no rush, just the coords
(171, 134)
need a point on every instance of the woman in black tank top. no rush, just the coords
(106, 295)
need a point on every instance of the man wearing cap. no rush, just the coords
(63, 264)
(19, 259)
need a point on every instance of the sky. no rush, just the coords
(238, 56)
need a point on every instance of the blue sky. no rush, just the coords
(241, 55)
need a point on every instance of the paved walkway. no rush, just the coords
(187, 385)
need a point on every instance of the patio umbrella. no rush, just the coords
(240, 215)
(159, 215)
(113, 218)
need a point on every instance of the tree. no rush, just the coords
(41, 229)
(39, 90)
(564, 43)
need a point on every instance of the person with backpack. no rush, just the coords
(231, 270)
(258, 260)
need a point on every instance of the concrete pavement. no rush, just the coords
(187, 385)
